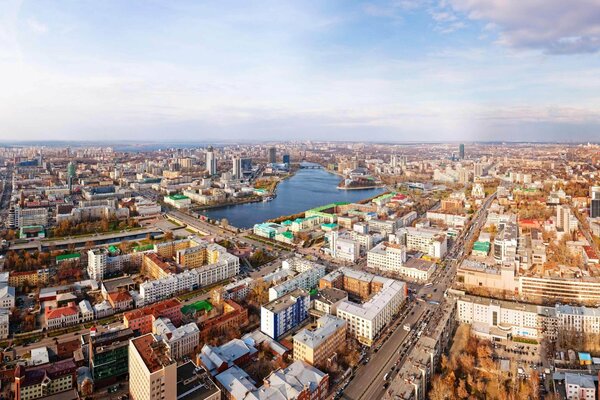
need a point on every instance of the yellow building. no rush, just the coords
(317, 346)
(152, 372)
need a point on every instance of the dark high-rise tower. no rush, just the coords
(461, 151)
(272, 155)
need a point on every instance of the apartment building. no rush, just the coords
(285, 313)
(141, 319)
(308, 277)
(382, 299)
(317, 346)
(579, 387)
(4, 323)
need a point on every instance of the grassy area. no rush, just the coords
(525, 340)
(92, 235)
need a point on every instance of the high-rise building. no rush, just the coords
(211, 161)
(595, 202)
(272, 155)
(237, 168)
(152, 371)
(71, 174)
(246, 164)
(461, 151)
(286, 159)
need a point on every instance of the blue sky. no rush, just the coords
(343, 70)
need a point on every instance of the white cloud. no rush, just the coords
(36, 26)
(554, 26)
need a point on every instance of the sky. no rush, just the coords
(398, 70)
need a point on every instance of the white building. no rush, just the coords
(366, 320)
(578, 319)
(86, 311)
(432, 242)
(498, 318)
(307, 278)
(579, 387)
(182, 341)
(7, 296)
(226, 267)
(343, 247)
(387, 257)
(4, 323)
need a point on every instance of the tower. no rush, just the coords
(237, 167)
(461, 151)
(272, 155)
(595, 202)
(211, 161)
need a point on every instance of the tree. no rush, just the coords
(87, 387)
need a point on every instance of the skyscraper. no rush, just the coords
(272, 155)
(286, 159)
(461, 151)
(71, 174)
(595, 202)
(211, 161)
(237, 167)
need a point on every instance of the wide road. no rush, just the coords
(368, 381)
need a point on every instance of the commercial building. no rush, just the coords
(319, 345)
(595, 202)
(211, 161)
(387, 256)
(235, 352)
(285, 313)
(432, 242)
(152, 372)
(501, 319)
(61, 316)
(178, 201)
(4, 323)
(343, 247)
(108, 354)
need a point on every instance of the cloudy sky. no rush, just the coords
(398, 70)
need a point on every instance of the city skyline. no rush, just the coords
(399, 71)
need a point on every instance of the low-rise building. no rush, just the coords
(45, 380)
(319, 345)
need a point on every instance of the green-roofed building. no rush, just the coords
(481, 248)
(67, 257)
(327, 212)
(202, 305)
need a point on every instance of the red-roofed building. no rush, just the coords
(62, 316)
(141, 319)
(590, 255)
(120, 301)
